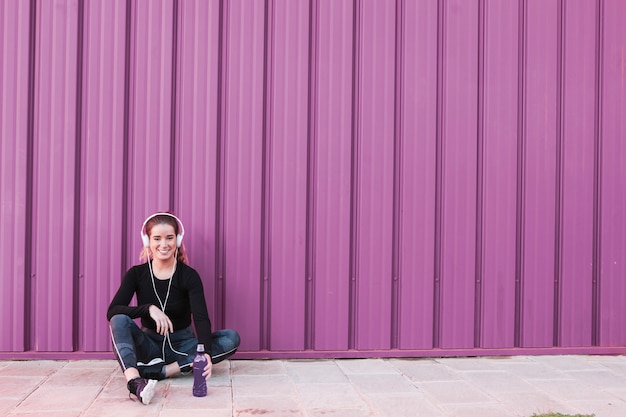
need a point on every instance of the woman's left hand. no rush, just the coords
(209, 368)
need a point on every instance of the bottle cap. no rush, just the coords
(200, 347)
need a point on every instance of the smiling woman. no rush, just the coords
(169, 294)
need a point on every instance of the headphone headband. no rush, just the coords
(179, 237)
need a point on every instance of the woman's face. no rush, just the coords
(162, 242)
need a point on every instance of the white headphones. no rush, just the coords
(179, 237)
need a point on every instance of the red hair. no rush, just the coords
(168, 220)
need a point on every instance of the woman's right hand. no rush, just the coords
(163, 322)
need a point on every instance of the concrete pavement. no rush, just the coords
(429, 387)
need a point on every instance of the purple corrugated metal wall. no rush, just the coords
(356, 177)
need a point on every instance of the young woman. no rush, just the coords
(169, 294)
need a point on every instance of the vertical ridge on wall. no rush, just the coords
(521, 168)
(558, 210)
(441, 31)
(597, 177)
(397, 174)
(129, 41)
(30, 179)
(76, 237)
(266, 175)
(222, 70)
(480, 139)
(311, 172)
(174, 110)
(354, 171)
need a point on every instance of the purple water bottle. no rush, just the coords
(199, 382)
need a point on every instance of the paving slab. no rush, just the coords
(428, 387)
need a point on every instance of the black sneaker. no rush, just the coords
(143, 389)
(156, 371)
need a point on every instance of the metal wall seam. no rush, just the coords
(480, 169)
(174, 110)
(222, 89)
(129, 65)
(597, 176)
(439, 135)
(311, 172)
(521, 170)
(355, 138)
(77, 276)
(29, 267)
(396, 228)
(266, 176)
(558, 206)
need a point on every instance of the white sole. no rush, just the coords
(148, 391)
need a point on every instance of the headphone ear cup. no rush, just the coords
(146, 240)
(179, 240)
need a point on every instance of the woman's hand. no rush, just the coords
(208, 369)
(163, 323)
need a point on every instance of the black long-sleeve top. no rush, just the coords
(186, 299)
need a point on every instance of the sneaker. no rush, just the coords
(156, 371)
(143, 389)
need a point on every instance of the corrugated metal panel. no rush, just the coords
(498, 138)
(356, 177)
(418, 128)
(373, 186)
(103, 147)
(197, 124)
(498, 130)
(542, 50)
(151, 154)
(14, 167)
(457, 160)
(331, 179)
(54, 174)
(612, 177)
(244, 148)
(577, 174)
(286, 171)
